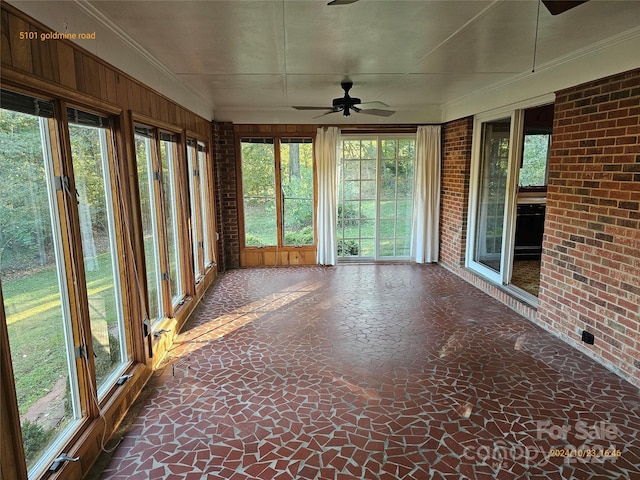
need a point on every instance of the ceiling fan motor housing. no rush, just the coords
(346, 103)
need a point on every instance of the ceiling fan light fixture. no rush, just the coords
(346, 104)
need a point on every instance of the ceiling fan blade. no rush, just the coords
(327, 113)
(341, 2)
(378, 112)
(299, 107)
(373, 104)
(557, 7)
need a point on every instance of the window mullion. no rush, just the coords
(376, 244)
(278, 193)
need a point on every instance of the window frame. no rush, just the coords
(205, 168)
(379, 160)
(90, 400)
(169, 303)
(276, 140)
(109, 160)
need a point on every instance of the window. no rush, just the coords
(206, 203)
(34, 283)
(277, 185)
(145, 146)
(158, 181)
(171, 209)
(296, 179)
(259, 192)
(375, 197)
(396, 197)
(201, 206)
(535, 156)
(494, 163)
(91, 151)
(60, 271)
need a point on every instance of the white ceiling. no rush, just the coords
(251, 61)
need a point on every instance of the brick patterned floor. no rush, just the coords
(374, 372)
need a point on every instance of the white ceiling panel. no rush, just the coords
(369, 36)
(436, 88)
(504, 38)
(240, 90)
(252, 60)
(205, 37)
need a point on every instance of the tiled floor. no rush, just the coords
(526, 275)
(375, 372)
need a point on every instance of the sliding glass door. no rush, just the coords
(375, 192)
(508, 179)
(492, 193)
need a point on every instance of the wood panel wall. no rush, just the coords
(63, 71)
(60, 67)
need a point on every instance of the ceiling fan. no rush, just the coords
(348, 104)
(555, 7)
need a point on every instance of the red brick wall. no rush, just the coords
(224, 154)
(454, 198)
(590, 275)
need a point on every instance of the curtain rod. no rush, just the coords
(398, 128)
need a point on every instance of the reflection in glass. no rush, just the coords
(492, 192)
(148, 202)
(33, 285)
(170, 197)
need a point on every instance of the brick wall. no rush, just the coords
(454, 197)
(590, 275)
(224, 153)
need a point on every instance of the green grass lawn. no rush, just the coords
(394, 233)
(260, 224)
(36, 327)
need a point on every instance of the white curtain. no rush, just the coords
(327, 142)
(426, 196)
